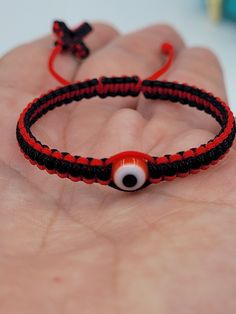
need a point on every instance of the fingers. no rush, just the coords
(25, 67)
(194, 66)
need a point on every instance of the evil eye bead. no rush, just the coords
(129, 174)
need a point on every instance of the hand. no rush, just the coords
(73, 248)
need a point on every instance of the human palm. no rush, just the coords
(75, 248)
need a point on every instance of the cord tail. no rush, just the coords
(168, 50)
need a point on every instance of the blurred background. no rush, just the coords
(24, 20)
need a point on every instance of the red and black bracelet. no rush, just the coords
(130, 170)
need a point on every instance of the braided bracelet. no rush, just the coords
(129, 170)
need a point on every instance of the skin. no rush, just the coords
(71, 248)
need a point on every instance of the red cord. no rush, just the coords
(51, 61)
(168, 50)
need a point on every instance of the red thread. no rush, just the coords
(168, 50)
(68, 40)
(51, 61)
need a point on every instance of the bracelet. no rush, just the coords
(129, 170)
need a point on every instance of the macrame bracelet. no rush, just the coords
(130, 170)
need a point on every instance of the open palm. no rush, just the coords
(74, 248)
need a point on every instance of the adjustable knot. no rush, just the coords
(72, 40)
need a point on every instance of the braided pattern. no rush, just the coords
(70, 40)
(92, 170)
